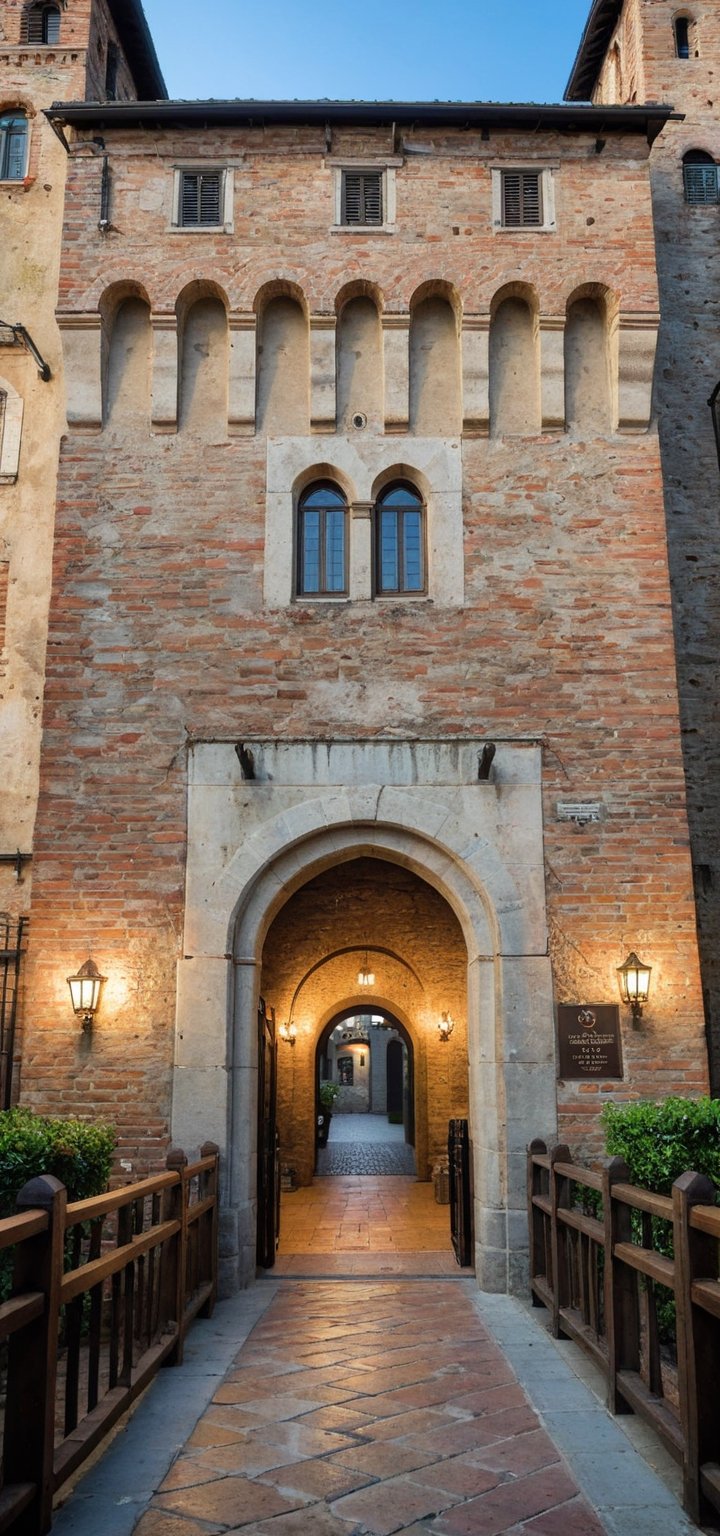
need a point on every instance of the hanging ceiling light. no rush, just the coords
(365, 977)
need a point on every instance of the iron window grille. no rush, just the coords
(13, 146)
(522, 199)
(42, 24)
(322, 543)
(362, 197)
(700, 179)
(400, 541)
(201, 199)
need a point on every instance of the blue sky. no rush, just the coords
(511, 50)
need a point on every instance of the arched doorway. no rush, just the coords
(365, 1068)
(416, 805)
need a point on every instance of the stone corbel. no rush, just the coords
(322, 373)
(81, 336)
(361, 551)
(637, 341)
(241, 382)
(475, 375)
(165, 373)
(396, 360)
(552, 372)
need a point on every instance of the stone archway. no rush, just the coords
(251, 845)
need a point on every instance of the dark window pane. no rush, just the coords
(335, 551)
(400, 496)
(389, 572)
(682, 38)
(324, 496)
(701, 183)
(310, 551)
(412, 552)
(13, 147)
(51, 25)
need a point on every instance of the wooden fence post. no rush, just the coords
(176, 1162)
(622, 1323)
(559, 1196)
(696, 1258)
(210, 1187)
(29, 1436)
(536, 1219)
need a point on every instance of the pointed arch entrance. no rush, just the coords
(414, 806)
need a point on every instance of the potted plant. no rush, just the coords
(327, 1096)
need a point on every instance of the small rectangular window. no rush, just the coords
(13, 146)
(521, 199)
(362, 197)
(201, 199)
(701, 183)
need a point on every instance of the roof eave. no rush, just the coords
(139, 49)
(599, 28)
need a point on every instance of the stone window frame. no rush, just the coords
(689, 23)
(193, 168)
(546, 173)
(361, 469)
(11, 418)
(387, 166)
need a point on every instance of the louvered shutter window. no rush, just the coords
(362, 201)
(701, 183)
(521, 199)
(42, 24)
(200, 198)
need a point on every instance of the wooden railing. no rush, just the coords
(103, 1293)
(601, 1275)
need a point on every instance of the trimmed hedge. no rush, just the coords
(661, 1141)
(78, 1154)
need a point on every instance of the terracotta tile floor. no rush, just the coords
(361, 1411)
(359, 1225)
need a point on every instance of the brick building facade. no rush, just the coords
(652, 50)
(359, 477)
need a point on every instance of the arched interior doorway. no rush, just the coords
(364, 956)
(367, 1061)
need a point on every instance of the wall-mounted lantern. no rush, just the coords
(288, 1032)
(634, 982)
(85, 989)
(366, 977)
(446, 1025)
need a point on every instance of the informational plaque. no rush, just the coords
(589, 1040)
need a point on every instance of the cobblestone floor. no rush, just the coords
(365, 1145)
(352, 1413)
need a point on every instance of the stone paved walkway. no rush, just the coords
(363, 1408)
(370, 1411)
(365, 1145)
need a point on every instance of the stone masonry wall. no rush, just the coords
(159, 633)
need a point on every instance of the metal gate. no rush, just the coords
(461, 1205)
(268, 1177)
(13, 932)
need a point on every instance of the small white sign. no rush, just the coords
(580, 811)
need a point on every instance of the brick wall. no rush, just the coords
(159, 634)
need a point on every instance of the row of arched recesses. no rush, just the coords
(363, 373)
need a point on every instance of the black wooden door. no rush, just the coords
(268, 1181)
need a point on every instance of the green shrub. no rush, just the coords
(395, 1117)
(78, 1154)
(658, 1143)
(661, 1141)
